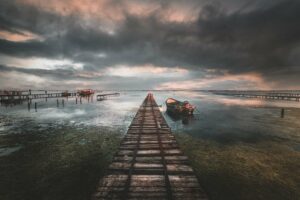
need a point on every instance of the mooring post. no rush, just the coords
(57, 103)
(63, 102)
(80, 101)
(282, 112)
(35, 106)
(76, 100)
(28, 106)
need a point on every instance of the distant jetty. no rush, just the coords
(288, 95)
(6, 95)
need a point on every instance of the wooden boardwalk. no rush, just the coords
(149, 163)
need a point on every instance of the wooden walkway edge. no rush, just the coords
(149, 163)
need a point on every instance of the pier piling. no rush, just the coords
(282, 113)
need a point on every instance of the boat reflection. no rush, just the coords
(185, 119)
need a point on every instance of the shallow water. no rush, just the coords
(60, 152)
(223, 118)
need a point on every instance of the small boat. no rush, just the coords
(65, 94)
(177, 107)
(86, 92)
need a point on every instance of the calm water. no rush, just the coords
(222, 118)
(61, 152)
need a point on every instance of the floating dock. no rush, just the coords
(149, 164)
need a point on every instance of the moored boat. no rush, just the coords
(86, 92)
(177, 107)
(65, 94)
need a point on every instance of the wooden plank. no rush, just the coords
(149, 163)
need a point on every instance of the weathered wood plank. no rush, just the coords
(149, 163)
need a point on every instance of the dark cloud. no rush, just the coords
(256, 36)
(59, 74)
(16, 16)
(71, 77)
(261, 39)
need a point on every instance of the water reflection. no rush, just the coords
(76, 141)
(75, 112)
(184, 119)
(241, 102)
(230, 119)
(220, 118)
(11, 103)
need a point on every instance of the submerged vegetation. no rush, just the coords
(263, 170)
(66, 163)
(60, 166)
(237, 151)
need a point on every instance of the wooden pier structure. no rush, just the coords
(21, 96)
(101, 97)
(149, 164)
(275, 95)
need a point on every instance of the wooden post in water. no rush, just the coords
(282, 112)
(76, 100)
(28, 106)
(80, 101)
(35, 106)
(63, 102)
(57, 103)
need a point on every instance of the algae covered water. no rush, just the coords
(60, 151)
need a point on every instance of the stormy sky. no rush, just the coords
(150, 44)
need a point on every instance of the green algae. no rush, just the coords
(262, 170)
(65, 165)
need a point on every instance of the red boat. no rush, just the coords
(85, 92)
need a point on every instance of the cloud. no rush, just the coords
(238, 37)
(18, 37)
(145, 71)
(227, 81)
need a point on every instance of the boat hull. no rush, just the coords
(87, 92)
(177, 107)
